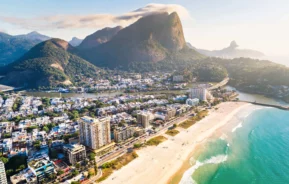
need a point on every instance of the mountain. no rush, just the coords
(75, 41)
(13, 47)
(99, 37)
(35, 36)
(151, 39)
(50, 63)
(230, 52)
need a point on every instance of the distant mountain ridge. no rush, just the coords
(230, 52)
(75, 41)
(34, 36)
(150, 39)
(13, 47)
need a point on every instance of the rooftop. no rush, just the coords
(74, 147)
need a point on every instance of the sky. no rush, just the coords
(208, 24)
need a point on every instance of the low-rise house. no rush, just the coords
(42, 167)
(24, 176)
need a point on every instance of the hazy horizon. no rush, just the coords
(207, 25)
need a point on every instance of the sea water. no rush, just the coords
(254, 150)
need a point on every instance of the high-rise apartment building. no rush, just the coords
(199, 93)
(3, 179)
(144, 119)
(93, 132)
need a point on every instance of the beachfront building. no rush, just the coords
(123, 133)
(93, 132)
(170, 113)
(144, 119)
(74, 153)
(192, 102)
(3, 179)
(199, 93)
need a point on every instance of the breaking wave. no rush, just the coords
(187, 176)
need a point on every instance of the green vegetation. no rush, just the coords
(74, 172)
(155, 141)
(30, 129)
(255, 76)
(45, 102)
(108, 167)
(137, 145)
(75, 182)
(37, 145)
(16, 104)
(66, 137)
(193, 120)
(73, 115)
(15, 164)
(172, 132)
(91, 172)
(92, 156)
(48, 64)
(106, 172)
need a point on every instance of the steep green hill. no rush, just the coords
(50, 63)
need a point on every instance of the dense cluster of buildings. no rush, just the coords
(57, 133)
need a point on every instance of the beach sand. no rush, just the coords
(166, 162)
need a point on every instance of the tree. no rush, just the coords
(75, 172)
(16, 162)
(60, 172)
(46, 129)
(9, 172)
(137, 145)
(4, 159)
(77, 165)
(37, 145)
(46, 101)
(75, 182)
(21, 167)
(92, 156)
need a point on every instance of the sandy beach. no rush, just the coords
(157, 165)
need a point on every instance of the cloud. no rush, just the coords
(2, 30)
(93, 20)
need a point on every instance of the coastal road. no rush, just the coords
(220, 84)
(116, 153)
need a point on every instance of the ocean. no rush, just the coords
(253, 149)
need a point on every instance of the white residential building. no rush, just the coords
(200, 93)
(3, 179)
(192, 102)
(94, 133)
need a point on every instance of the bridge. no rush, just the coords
(220, 84)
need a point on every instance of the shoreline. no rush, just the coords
(167, 162)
